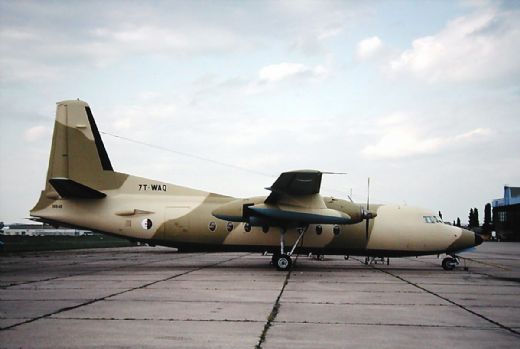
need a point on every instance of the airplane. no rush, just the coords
(82, 190)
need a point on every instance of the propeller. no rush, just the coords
(366, 213)
(368, 209)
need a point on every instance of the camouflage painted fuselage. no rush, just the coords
(161, 213)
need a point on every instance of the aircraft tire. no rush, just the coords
(448, 263)
(283, 262)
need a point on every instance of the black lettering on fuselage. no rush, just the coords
(152, 187)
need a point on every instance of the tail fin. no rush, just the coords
(77, 150)
(78, 153)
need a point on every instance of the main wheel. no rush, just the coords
(283, 262)
(448, 263)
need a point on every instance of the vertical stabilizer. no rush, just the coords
(77, 149)
(78, 153)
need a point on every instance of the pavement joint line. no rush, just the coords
(468, 259)
(447, 300)
(517, 280)
(86, 273)
(90, 273)
(75, 263)
(116, 294)
(384, 324)
(367, 303)
(154, 319)
(133, 300)
(484, 263)
(276, 307)
(277, 322)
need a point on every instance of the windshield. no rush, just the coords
(432, 219)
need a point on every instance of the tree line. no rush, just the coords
(474, 222)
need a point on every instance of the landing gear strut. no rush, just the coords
(281, 260)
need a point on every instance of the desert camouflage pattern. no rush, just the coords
(161, 213)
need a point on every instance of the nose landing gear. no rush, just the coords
(449, 263)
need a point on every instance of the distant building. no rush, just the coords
(41, 230)
(506, 214)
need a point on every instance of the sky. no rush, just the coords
(421, 96)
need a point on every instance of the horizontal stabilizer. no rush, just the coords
(69, 189)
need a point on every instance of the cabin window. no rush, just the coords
(212, 226)
(336, 230)
(229, 226)
(247, 227)
(265, 228)
(319, 229)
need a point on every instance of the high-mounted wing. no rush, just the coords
(294, 201)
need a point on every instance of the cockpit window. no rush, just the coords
(432, 219)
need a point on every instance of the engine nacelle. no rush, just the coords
(355, 211)
(236, 210)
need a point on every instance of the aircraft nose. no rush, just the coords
(465, 240)
(478, 239)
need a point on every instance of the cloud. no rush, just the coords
(273, 74)
(116, 42)
(481, 45)
(36, 133)
(284, 71)
(400, 138)
(47, 43)
(44, 42)
(311, 25)
(368, 48)
(142, 115)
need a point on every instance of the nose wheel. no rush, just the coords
(449, 263)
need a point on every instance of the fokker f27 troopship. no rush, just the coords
(83, 190)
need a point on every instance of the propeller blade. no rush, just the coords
(368, 195)
(368, 210)
(366, 229)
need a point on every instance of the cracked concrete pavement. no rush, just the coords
(156, 297)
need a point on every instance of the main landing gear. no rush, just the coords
(281, 260)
